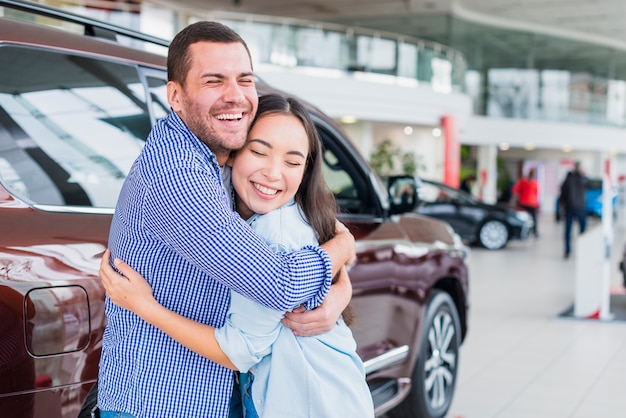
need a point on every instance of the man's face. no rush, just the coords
(219, 98)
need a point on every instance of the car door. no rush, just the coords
(68, 135)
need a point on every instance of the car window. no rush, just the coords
(157, 86)
(433, 193)
(353, 192)
(70, 132)
(429, 193)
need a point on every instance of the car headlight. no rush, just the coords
(522, 216)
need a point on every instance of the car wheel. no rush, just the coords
(493, 235)
(434, 378)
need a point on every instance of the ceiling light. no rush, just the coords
(348, 119)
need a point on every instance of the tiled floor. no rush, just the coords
(521, 359)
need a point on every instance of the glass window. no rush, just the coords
(157, 86)
(555, 94)
(340, 182)
(377, 55)
(318, 48)
(513, 93)
(69, 133)
(354, 192)
(407, 60)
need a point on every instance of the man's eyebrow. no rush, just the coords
(220, 75)
(267, 144)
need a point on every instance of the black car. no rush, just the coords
(476, 222)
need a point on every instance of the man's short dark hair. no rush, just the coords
(178, 57)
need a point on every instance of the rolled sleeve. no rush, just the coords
(317, 300)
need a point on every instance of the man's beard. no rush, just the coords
(199, 126)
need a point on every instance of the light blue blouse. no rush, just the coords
(294, 377)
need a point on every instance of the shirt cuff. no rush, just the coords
(317, 300)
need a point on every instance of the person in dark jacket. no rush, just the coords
(573, 201)
(468, 183)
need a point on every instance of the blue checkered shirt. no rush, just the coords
(174, 224)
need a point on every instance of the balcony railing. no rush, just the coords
(299, 43)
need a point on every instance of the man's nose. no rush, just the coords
(233, 92)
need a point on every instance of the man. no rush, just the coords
(175, 225)
(573, 200)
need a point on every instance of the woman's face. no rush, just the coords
(268, 170)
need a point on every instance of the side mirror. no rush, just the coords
(402, 192)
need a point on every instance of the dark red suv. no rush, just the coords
(75, 109)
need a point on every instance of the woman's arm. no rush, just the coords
(132, 292)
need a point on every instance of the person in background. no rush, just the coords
(526, 191)
(573, 201)
(468, 183)
(280, 191)
(174, 223)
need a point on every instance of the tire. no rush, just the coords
(493, 235)
(434, 378)
(90, 404)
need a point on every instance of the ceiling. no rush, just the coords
(592, 17)
(581, 35)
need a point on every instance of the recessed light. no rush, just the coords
(348, 119)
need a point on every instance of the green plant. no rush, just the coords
(382, 159)
(386, 155)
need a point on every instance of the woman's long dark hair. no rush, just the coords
(313, 196)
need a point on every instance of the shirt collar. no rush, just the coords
(178, 124)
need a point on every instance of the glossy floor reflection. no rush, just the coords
(521, 359)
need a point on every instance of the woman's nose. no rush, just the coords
(272, 170)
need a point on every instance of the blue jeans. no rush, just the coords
(114, 414)
(570, 214)
(241, 402)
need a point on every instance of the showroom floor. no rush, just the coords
(524, 356)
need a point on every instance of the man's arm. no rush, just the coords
(323, 318)
(222, 245)
(341, 249)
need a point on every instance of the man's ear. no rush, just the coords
(173, 95)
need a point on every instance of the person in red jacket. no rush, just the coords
(526, 190)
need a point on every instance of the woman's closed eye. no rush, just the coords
(258, 153)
